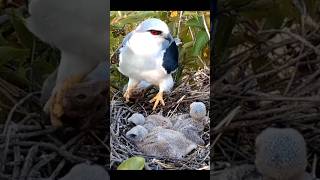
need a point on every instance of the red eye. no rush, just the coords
(154, 32)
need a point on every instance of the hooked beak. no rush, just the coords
(169, 38)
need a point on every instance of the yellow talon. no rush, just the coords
(55, 103)
(158, 98)
(127, 95)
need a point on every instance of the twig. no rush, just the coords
(64, 153)
(296, 36)
(205, 25)
(6, 149)
(44, 160)
(58, 169)
(28, 162)
(17, 158)
(179, 24)
(9, 118)
(314, 165)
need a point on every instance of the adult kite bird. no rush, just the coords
(149, 54)
(78, 29)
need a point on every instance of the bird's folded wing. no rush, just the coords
(170, 58)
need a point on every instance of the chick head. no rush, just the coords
(137, 119)
(137, 133)
(197, 110)
(280, 154)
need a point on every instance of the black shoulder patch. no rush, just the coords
(170, 58)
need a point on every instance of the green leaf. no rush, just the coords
(187, 45)
(24, 35)
(8, 53)
(195, 22)
(133, 163)
(201, 40)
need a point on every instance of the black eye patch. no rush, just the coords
(155, 32)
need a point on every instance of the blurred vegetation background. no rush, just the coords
(191, 27)
(25, 62)
(240, 23)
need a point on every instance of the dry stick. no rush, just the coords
(58, 169)
(53, 155)
(97, 138)
(296, 36)
(35, 133)
(291, 80)
(61, 151)
(179, 24)
(205, 158)
(275, 98)
(10, 88)
(60, 166)
(17, 158)
(224, 152)
(205, 25)
(27, 117)
(30, 127)
(307, 81)
(6, 149)
(259, 113)
(170, 113)
(191, 33)
(6, 94)
(277, 118)
(14, 108)
(280, 68)
(307, 90)
(17, 162)
(28, 161)
(112, 137)
(314, 166)
(225, 122)
(45, 160)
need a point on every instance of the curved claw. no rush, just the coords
(127, 95)
(158, 98)
(54, 106)
(47, 106)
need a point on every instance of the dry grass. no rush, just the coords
(194, 87)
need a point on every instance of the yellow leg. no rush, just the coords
(127, 94)
(132, 84)
(158, 98)
(55, 103)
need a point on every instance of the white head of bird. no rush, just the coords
(150, 36)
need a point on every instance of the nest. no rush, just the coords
(32, 149)
(271, 83)
(193, 87)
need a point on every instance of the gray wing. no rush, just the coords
(170, 58)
